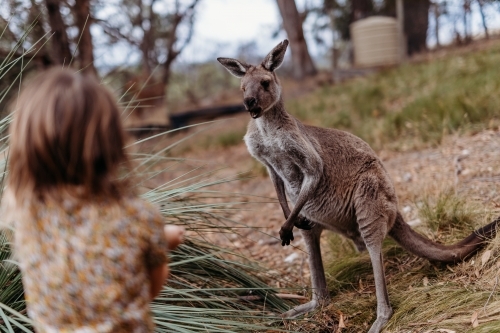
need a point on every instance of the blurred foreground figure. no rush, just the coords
(92, 253)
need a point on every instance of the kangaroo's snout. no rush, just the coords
(250, 103)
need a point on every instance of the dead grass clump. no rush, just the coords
(449, 211)
(425, 297)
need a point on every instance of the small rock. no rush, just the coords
(414, 222)
(291, 257)
(407, 177)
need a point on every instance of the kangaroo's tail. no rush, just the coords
(425, 248)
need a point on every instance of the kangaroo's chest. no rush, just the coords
(273, 152)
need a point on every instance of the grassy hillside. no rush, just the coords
(409, 107)
(412, 105)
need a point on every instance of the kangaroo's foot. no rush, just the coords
(381, 321)
(301, 309)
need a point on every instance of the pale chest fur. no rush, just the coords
(274, 149)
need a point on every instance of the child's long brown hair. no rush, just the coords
(66, 136)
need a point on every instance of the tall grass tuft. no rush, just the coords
(449, 211)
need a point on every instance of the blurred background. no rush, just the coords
(419, 80)
(166, 49)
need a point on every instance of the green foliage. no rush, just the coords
(413, 105)
(230, 139)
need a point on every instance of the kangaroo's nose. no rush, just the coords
(250, 102)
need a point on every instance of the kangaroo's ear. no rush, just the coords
(235, 67)
(275, 58)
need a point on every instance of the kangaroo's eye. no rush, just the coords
(265, 84)
(242, 88)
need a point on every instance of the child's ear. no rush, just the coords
(275, 58)
(235, 67)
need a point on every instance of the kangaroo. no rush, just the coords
(335, 181)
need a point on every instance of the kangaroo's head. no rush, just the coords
(260, 85)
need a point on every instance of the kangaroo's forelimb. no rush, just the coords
(306, 192)
(279, 186)
(301, 222)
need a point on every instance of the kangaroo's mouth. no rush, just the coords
(255, 112)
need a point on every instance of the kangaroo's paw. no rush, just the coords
(304, 223)
(286, 235)
(301, 309)
(379, 324)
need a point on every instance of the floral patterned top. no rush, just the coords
(85, 266)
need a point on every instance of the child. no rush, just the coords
(91, 252)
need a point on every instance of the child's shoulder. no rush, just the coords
(144, 216)
(141, 208)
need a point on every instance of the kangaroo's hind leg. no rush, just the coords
(320, 294)
(384, 310)
(375, 214)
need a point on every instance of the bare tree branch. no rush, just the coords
(60, 43)
(172, 52)
(115, 32)
(85, 46)
(292, 22)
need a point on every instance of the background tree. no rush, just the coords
(361, 9)
(483, 5)
(156, 30)
(467, 20)
(159, 32)
(302, 63)
(416, 24)
(61, 53)
(47, 39)
(83, 21)
(60, 34)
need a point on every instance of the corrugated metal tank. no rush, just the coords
(376, 41)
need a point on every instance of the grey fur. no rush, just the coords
(336, 182)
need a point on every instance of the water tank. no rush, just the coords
(376, 41)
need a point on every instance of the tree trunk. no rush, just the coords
(147, 43)
(416, 24)
(437, 14)
(60, 45)
(85, 47)
(483, 17)
(301, 59)
(39, 36)
(467, 21)
(360, 9)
